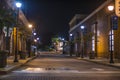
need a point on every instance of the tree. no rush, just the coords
(6, 16)
(55, 42)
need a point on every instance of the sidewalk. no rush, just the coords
(103, 61)
(11, 65)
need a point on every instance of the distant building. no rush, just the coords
(75, 20)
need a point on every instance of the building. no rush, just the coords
(75, 20)
(8, 32)
(97, 36)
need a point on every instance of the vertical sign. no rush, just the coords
(114, 22)
(117, 7)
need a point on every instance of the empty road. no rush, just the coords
(61, 67)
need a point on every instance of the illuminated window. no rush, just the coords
(93, 43)
(93, 37)
(76, 47)
(111, 40)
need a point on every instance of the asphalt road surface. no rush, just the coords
(60, 67)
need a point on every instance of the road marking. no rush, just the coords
(47, 70)
(62, 70)
(98, 69)
(73, 71)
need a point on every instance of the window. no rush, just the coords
(93, 43)
(111, 41)
(93, 37)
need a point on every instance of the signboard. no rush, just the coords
(114, 22)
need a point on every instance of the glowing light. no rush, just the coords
(82, 27)
(18, 4)
(110, 8)
(30, 25)
(63, 39)
(71, 34)
(37, 38)
(34, 34)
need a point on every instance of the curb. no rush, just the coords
(3, 72)
(107, 64)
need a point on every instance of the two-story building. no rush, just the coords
(98, 35)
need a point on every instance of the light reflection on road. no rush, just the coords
(47, 70)
(33, 70)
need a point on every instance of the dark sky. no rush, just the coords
(51, 17)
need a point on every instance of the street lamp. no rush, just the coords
(35, 40)
(82, 27)
(71, 35)
(82, 40)
(111, 8)
(29, 40)
(18, 5)
(30, 26)
(63, 40)
(34, 33)
(38, 38)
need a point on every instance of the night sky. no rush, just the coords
(51, 17)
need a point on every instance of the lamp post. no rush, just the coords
(82, 41)
(63, 45)
(71, 44)
(111, 8)
(29, 41)
(18, 5)
(35, 46)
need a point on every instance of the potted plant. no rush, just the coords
(3, 58)
(22, 54)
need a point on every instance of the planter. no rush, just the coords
(22, 55)
(3, 59)
(92, 55)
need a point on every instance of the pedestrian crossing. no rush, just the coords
(62, 70)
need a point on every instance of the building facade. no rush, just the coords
(97, 36)
(8, 32)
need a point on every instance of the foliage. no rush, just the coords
(55, 40)
(6, 16)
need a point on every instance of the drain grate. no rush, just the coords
(61, 68)
(49, 68)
